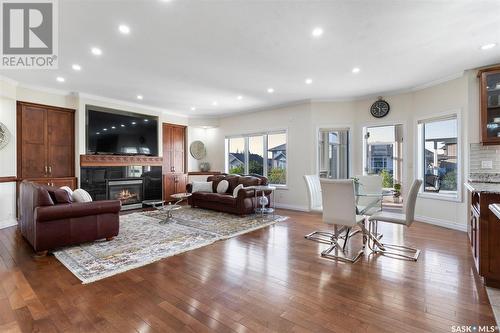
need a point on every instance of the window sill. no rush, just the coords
(442, 197)
(280, 187)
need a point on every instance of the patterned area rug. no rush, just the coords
(142, 240)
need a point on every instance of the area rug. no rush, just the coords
(142, 240)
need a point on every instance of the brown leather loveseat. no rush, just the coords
(50, 220)
(243, 204)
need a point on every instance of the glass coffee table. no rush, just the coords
(169, 208)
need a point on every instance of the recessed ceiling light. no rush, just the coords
(60, 79)
(104, 129)
(309, 81)
(193, 108)
(124, 29)
(133, 123)
(214, 103)
(146, 120)
(488, 46)
(76, 67)
(140, 97)
(239, 98)
(270, 90)
(356, 70)
(317, 32)
(98, 133)
(122, 125)
(113, 127)
(96, 51)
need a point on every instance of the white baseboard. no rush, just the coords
(292, 207)
(441, 223)
(8, 223)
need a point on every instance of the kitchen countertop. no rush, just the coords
(483, 187)
(495, 208)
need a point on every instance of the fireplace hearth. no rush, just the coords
(128, 191)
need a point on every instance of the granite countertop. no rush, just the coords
(483, 187)
(484, 177)
(495, 208)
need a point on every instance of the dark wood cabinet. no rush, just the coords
(57, 182)
(484, 236)
(174, 160)
(46, 144)
(490, 105)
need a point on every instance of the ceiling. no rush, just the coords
(182, 54)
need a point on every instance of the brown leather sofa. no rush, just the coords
(50, 220)
(243, 204)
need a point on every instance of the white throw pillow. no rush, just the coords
(236, 189)
(80, 195)
(222, 186)
(67, 189)
(202, 187)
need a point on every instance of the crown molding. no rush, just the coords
(265, 108)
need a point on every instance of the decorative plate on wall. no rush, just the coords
(4, 136)
(197, 150)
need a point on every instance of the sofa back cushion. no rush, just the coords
(43, 198)
(250, 181)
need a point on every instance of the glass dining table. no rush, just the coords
(369, 203)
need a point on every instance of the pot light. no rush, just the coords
(113, 127)
(140, 97)
(488, 46)
(124, 29)
(239, 98)
(122, 125)
(356, 70)
(270, 90)
(214, 103)
(308, 81)
(96, 51)
(193, 108)
(76, 67)
(317, 32)
(98, 133)
(133, 123)
(146, 120)
(104, 129)
(60, 79)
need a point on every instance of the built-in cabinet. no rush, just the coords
(490, 105)
(46, 144)
(174, 160)
(484, 236)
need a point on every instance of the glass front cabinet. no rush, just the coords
(490, 105)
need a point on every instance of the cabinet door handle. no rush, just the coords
(50, 170)
(46, 170)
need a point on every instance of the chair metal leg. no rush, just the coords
(338, 248)
(326, 237)
(377, 247)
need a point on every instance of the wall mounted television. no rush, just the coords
(114, 132)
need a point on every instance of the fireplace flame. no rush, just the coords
(126, 195)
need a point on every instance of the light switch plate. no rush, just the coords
(486, 164)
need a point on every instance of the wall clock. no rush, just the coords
(197, 150)
(380, 108)
(4, 136)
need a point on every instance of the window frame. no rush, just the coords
(419, 159)
(333, 128)
(265, 168)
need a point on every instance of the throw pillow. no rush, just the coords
(236, 189)
(80, 195)
(202, 187)
(62, 197)
(44, 198)
(222, 186)
(67, 189)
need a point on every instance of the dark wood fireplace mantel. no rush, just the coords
(117, 160)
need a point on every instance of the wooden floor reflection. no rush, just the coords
(268, 280)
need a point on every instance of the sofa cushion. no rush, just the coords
(77, 210)
(222, 186)
(44, 198)
(215, 197)
(233, 182)
(249, 181)
(202, 187)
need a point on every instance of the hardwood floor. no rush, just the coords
(268, 280)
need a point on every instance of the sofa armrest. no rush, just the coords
(245, 193)
(189, 187)
(75, 210)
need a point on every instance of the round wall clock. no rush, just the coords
(380, 108)
(197, 150)
(4, 136)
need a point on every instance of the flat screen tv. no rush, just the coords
(121, 133)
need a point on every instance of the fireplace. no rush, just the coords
(128, 191)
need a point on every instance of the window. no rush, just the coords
(260, 154)
(333, 152)
(438, 155)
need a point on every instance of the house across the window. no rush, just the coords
(245, 155)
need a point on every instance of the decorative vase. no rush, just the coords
(204, 166)
(263, 201)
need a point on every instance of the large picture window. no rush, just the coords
(438, 155)
(260, 154)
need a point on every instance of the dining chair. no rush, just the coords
(339, 210)
(405, 219)
(371, 185)
(315, 206)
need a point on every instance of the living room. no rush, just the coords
(225, 166)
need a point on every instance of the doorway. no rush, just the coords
(383, 155)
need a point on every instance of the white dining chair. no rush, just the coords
(369, 184)
(339, 210)
(404, 219)
(315, 206)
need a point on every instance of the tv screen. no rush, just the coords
(121, 133)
